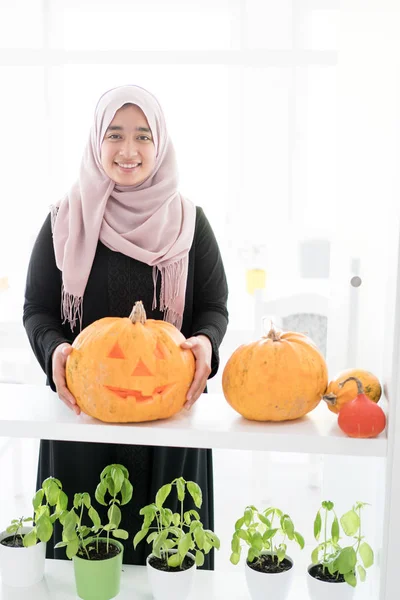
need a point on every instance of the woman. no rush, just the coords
(124, 233)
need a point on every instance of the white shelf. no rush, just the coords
(59, 584)
(34, 411)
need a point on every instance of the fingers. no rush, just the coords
(60, 356)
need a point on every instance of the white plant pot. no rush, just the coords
(268, 586)
(318, 589)
(170, 585)
(22, 567)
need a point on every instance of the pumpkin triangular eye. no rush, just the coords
(141, 370)
(159, 352)
(116, 351)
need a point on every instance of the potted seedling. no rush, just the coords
(179, 541)
(336, 567)
(96, 556)
(23, 543)
(269, 570)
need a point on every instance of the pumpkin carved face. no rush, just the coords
(130, 369)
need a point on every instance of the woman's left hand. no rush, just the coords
(201, 347)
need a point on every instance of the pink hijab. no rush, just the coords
(150, 222)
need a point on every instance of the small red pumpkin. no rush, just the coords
(361, 418)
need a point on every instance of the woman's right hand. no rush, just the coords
(59, 360)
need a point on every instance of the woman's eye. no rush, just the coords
(144, 138)
(114, 136)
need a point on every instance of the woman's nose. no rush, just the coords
(129, 149)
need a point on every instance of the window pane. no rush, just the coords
(150, 25)
(318, 29)
(269, 24)
(21, 24)
(314, 157)
(22, 201)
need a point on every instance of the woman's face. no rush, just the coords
(127, 153)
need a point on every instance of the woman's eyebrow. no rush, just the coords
(119, 128)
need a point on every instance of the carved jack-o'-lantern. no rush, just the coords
(130, 369)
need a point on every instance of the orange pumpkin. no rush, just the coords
(278, 378)
(336, 395)
(130, 369)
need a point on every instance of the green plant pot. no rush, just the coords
(99, 579)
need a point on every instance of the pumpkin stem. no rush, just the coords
(138, 314)
(273, 334)
(360, 388)
(330, 399)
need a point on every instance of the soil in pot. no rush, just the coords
(99, 552)
(13, 542)
(317, 571)
(161, 565)
(269, 564)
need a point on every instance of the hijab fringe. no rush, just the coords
(71, 309)
(171, 276)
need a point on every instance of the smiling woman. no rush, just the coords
(128, 153)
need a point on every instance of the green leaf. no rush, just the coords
(327, 504)
(186, 517)
(121, 534)
(37, 499)
(264, 520)
(176, 519)
(86, 500)
(180, 489)
(195, 491)
(350, 522)
(257, 542)
(158, 543)
(281, 553)
(248, 516)
(60, 545)
(239, 523)
(44, 528)
(52, 492)
(151, 537)
(287, 526)
(72, 548)
(234, 558)
(235, 544)
(163, 494)
(346, 561)
(250, 556)
(168, 544)
(350, 578)
(62, 503)
(367, 554)
(140, 535)
(118, 478)
(199, 537)
(361, 573)
(314, 556)
(101, 490)
(174, 560)
(269, 534)
(30, 538)
(335, 530)
(114, 515)
(243, 535)
(94, 517)
(317, 525)
(126, 492)
(199, 558)
(184, 545)
(299, 539)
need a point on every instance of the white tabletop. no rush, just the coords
(34, 411)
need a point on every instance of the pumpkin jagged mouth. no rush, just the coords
(126, 393)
